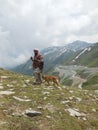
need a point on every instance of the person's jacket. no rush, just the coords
(38, 61)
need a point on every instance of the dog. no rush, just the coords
(48, 79)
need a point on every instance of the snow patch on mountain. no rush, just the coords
(63, 50)
(49, 50)
(86, 49)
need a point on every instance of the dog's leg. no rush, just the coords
(48, 83)
(56, 82)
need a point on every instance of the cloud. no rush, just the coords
(25, 25)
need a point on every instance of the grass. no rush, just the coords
(51, 101)
(92, 83)
(67, 81)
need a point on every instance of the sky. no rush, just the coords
(29, 24)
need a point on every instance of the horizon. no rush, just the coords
(51, 47)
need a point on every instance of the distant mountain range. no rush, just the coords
(77, 52)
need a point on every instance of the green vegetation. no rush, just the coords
(68, 60)
(90, 58)
(82, 73)
(67, 81)
(92, 82)
(53, 102)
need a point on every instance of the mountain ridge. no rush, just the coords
(88, 56)
(54, 56)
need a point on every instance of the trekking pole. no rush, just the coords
(25, 64)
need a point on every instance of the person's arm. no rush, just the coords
(32, 58)
(41, 59)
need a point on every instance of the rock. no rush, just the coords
(6, 92)
(4, 77)
(27, 81)
(9, 85)
(75, 112)
(49, 117)
(93, 109)
(50, 108)
(45, 93)
(17, 114)
(78, 99)
(65, 102)
(20, 99)
(32, 113)
(40, 108)
(3, 122)
(71, 91)
(1, 87)
(96, 91)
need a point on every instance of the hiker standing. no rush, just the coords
(38, 63)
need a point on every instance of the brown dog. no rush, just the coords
(48, 79)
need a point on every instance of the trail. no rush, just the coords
(78, 81)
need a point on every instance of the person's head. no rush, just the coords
(36, 51)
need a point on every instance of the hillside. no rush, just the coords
(25, 68)
(88, 56)
(92, 82)
(24, 106)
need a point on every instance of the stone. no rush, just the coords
(32, 113)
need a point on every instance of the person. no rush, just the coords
(38, 64)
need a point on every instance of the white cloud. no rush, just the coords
(25, 25)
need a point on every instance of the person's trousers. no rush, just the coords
(38, 75)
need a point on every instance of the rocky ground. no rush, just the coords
(24, 106)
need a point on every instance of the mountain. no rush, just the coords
(25, 68)
(24, 106)
(88, 56)
(78, 45)
(74, 64)
(75, 46)
(54, 56)
(81, 68)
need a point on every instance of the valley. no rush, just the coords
(78, 74)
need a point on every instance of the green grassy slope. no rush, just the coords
(90, 58)
(92, 82)
(62, 108)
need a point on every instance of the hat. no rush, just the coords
(36, 50)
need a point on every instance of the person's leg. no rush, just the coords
(35, 72)
(38, 76)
